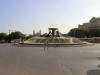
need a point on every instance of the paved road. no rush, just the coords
(50, 61)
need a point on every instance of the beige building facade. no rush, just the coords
(93, 23)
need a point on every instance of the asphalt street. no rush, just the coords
(81, 60)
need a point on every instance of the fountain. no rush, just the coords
(54, 38)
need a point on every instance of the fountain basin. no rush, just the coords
(60, 41)
(54, 38)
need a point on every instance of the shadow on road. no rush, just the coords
(98, 66)
(94, 72)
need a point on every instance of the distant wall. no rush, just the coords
(92, 41)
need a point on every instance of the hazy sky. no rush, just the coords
(26, 15)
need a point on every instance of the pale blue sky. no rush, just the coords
(26, 15)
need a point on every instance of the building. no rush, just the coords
(37, 33)
(93, 23)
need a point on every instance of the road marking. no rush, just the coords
(65, 69)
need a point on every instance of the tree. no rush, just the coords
(85, 32)
(16, 35)
(29, 36)
(3, 37)
(79, 32)
(94, 32)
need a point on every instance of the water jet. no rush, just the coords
(54, 38)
